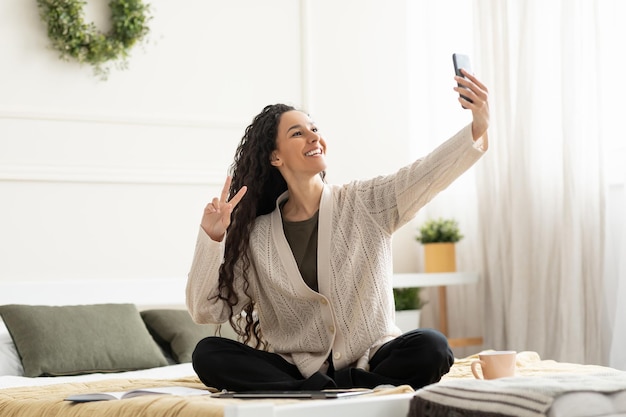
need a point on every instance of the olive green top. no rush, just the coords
(302, 237)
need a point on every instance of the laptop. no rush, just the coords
(303, 395)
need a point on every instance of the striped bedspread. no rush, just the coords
(531, 393)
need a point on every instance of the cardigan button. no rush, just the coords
(337, 355)
(331, 328)
(323, 301)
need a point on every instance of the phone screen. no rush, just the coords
(461, 61)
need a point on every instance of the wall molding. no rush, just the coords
(111, 175)
(118, 119)
(139, 291)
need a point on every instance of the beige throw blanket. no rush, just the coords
(48, 401)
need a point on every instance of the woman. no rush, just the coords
(302, 269)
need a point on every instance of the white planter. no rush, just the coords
(408, 320)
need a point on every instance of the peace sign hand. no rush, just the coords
(216, 217)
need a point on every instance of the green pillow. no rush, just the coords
(177, 333)
(80, 339)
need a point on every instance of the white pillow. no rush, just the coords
(10, 363)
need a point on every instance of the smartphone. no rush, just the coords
(462, 61)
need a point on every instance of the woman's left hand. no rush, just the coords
(479, 94)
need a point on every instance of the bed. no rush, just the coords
(134, 347)
(53, 364)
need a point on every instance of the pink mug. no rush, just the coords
(494, 364)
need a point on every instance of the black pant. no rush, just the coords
(417, 358)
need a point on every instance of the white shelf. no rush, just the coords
(437, 279)
(441, 280)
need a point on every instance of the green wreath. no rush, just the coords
(74, 38)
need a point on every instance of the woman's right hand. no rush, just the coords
(216, 218)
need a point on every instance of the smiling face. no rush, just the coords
(300, 149)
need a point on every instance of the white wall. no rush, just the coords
(106, 180)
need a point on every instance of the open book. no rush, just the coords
(106, 396)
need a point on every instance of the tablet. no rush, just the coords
(304, 395)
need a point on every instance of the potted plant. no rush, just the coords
(408, 307)
(439, 237)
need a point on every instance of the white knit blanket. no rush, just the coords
(520, 396)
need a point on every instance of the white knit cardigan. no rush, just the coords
(353, 313)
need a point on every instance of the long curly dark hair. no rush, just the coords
(252, 168)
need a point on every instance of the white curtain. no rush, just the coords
(613, 92)
(546, 223)
(542, 196)
(553, 277)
